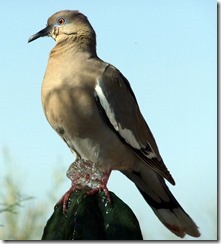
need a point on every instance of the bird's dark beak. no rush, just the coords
(45, 32)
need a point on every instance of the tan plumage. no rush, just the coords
(93, 108)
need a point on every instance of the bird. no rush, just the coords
(92, 107)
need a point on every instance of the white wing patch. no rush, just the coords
(106, 106)
(151, 155)
(125, 133)
(129, 137)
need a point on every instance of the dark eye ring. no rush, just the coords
(61, 21)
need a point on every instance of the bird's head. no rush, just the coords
(67, 24)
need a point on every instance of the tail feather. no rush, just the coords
(156, 193)
(175, 219)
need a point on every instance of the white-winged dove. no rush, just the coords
(92, 107)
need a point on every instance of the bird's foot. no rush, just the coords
(102, 186)
(85, 176)
(64, 200)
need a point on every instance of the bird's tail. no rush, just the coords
(156, 193)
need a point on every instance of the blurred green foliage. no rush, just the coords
(22, 217)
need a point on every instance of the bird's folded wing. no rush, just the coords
(120, 110)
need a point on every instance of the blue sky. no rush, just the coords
(167, 50)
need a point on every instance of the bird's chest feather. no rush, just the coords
(69, 104)
(73, 113)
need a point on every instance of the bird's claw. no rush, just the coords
(87, 177)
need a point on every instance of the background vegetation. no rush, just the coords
(23, 217)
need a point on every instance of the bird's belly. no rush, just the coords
(107, 151)
(78, 121)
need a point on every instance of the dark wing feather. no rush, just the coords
(117, 101)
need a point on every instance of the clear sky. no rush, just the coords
(167, 50)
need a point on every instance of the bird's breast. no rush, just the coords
(70, 107)
(68, 93)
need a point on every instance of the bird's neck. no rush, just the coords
(75, 44)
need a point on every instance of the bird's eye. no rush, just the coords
(61, 21)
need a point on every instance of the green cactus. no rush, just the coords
(93, 217)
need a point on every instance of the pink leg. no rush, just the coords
(64, 199)
(85, 175)
(102, 186)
